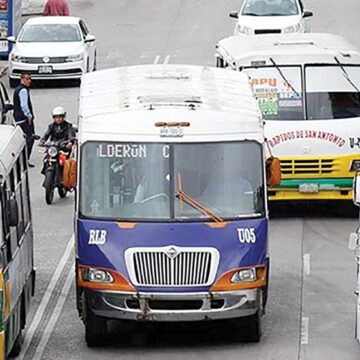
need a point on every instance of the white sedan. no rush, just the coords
(271, 17)
(52, 47)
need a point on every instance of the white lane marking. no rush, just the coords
(55, 315)
(46, 297)
(306, 264)
(304, 331)
(157, 59)
(167, 59)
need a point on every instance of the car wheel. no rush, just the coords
(13, 83)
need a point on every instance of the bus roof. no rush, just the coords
(284, 49)
(12, 141)
(126, 102)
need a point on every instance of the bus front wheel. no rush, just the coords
(95, 329)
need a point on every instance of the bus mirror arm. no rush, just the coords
(273, 171)
(12, 212)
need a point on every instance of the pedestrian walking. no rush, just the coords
(23, 111)
(56, 8)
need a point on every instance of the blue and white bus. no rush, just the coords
(171, 212)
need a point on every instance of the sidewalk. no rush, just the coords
(32, 7)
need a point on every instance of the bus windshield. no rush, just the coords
(332, 92)
(279, 91)
(142, 181)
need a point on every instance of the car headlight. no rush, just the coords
(53, 151)
(292, 29)
(77, 57)
(96, 275)
(243, 30)
(17, 58)
(244, 275)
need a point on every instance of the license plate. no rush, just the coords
(3, 46)
(309, 188)
(45, 69)
(171, 131)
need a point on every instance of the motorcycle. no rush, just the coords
(54, 160)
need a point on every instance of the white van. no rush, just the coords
(307, 86)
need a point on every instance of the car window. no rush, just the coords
(50, 33)
(270, 8)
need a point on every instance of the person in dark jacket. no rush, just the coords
(59, 130)
(23, 111)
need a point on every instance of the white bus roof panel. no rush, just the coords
(293, 49)
(129, 100)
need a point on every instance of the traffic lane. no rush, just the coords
(281, 324)
(329, 300)
(137, 31)
(337, 17)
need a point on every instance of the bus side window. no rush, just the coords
(18, 195)
(25, 188)
(10, 194)
(6, 246)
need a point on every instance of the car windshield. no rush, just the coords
(50, 33)
(279, 91)
(270, 8)
(332, 92)
(161, 182)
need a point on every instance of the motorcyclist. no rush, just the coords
(59, 130)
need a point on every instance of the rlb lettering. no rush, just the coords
(97, 237)
(247, 235)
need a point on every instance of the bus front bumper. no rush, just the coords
(325, 189)
(173, 307)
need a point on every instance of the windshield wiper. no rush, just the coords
(346, 75)
(251, 14)
(196, 205)
(283, 76)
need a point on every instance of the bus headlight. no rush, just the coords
(245, 275)
(355, 165)
(96, 275)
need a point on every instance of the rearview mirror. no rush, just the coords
(12, 212)
(8, 107)
(273, 171)
(89, 38)
(307, 14)
(356, 189)
(11, 39)
(234, 14)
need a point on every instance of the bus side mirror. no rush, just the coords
(273, 171)
(356, 189)
(12, 212)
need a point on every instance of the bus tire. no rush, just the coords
(95, 329)
(16, 349)
(254, 327)
(62, 191)
(49, 188)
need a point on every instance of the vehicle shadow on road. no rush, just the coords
(313, 209)
(168, 335)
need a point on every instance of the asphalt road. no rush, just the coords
(310, 313)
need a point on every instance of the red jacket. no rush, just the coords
(56, 7)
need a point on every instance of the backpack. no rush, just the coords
(69, 172)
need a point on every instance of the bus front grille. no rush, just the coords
(310, 166)
(173, 266)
